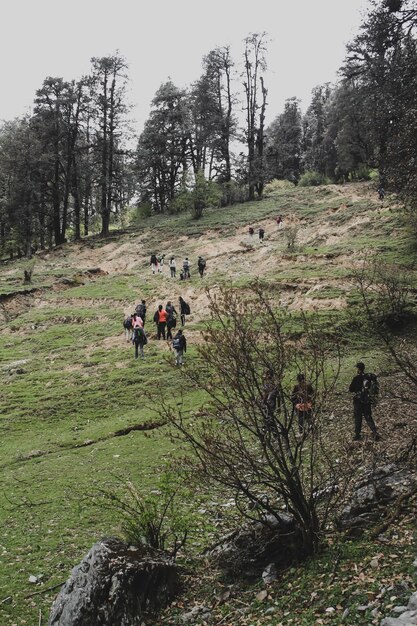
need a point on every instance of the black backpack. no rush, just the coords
(186, 308)
(177, 343)
(370, 389)
(141, 310)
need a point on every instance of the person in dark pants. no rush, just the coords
(201, 264)
(361, 402)
(160, 319)
(261, 233)
(139, 340)
(141, 311)
(171, 318)
(302, 399)
(270, 402)
(179, 344)
(184, 310)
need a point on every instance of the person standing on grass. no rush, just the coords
(251, 232)
(139, 340)
(261, 234)
(154, 263)
(270, 402)
(161, 262)
(172, 266)
(184, 310)
(171, 318)
(179, 344)
(160, 319)
(186, 268)
(201, 263)
(302, 399)
(127, 325)
(362, 402)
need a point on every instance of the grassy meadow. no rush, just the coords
(69, 382)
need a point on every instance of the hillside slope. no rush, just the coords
(70, 382)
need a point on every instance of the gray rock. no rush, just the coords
(381, 487)
(269, 574)
(412, 603)
(249, 550)
(115, 584)
(399, 609)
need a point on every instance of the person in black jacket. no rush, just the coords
(184, 310)
(171, 318)
(179, 344)
(361, 402)
(302, 399)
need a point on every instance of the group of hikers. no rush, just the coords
(261, 230)
(165, 320)
(364, 387)
(157, 264)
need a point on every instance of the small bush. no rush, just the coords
(277, 185)
(312, 179)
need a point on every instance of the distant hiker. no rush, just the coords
(364, 387)
(160, 319)
(279, 221)
(171, 318)
(179, 344)
(261, 233)
(172, 266)
(302, 399)
(251, 232)
(153, 263)
(141, 311)
(139, 339)
(161, 262)
(270, 401)
(127, 325)
(381, 192)
(184, 310)
(201, 263)
(186, 267)
(137, 322)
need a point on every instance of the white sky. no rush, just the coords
(168, 38)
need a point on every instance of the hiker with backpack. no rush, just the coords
(153, 263)
(139, 339)
(201, 263)
(302, 400)
(365, 389)
(172, 266)
(179, 344)
(184, 310)
(171, 318)
(161, 262)
(141, 311)
(160, 319)
(186, 268)
(127, 325)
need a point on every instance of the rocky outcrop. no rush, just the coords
(381, 487)
(115, 584)
(248, 551)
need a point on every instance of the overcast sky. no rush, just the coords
(168, 38)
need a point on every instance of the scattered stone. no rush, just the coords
(399, 609)
(269, 574)
(262, 595)
(271, 610)
(33, 579)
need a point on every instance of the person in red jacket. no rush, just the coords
(160, 319)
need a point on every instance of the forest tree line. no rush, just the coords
(68, 167)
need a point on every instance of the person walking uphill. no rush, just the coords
(201, 263)
(184, 310)
(171, 318)
(153, 263)
(172, 266)
(362, 386)
(179, 344)
(139, 339)
(160, 319)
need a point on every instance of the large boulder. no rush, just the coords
(382, 486)
(115, 584)
(247, 551)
